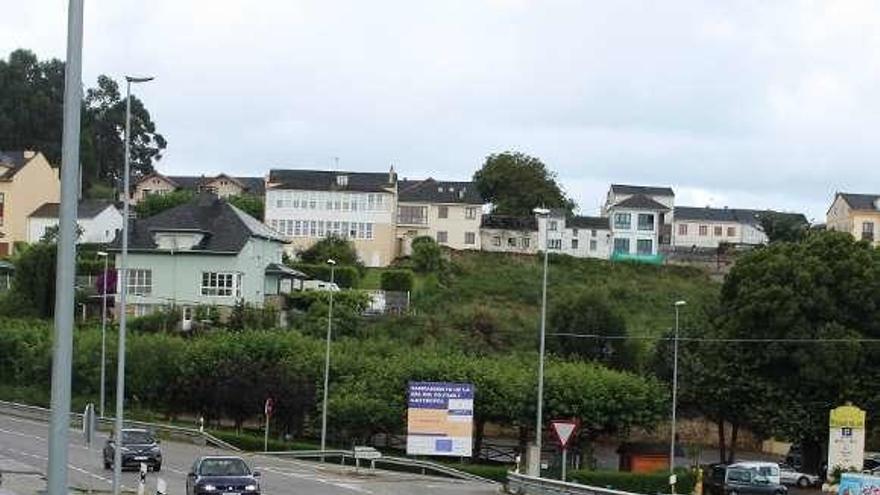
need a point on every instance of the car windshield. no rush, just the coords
(136, 438)
(224, 467)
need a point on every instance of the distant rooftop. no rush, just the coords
(646, 190)
(87, 208)
(327, 180)
(434, 191)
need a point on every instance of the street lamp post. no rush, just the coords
(332, 264)
(123, 289)
(542, 213)
(678, 306)
(106, 257)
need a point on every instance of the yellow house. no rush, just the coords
(858, 214)
(27, 181)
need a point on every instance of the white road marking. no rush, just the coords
(336, 483)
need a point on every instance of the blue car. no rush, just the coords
(213, 475)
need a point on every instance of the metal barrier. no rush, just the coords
(521, 484)
(424, 466)
(191, 434)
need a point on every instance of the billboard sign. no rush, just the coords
(440, 419)
(846, 438)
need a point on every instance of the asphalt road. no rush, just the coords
(24, 446)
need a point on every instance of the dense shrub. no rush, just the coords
(245, 316)
(647, 483)
(346, 277)
(159, 321)
(397, 280)
(427, 257)
(339, 249)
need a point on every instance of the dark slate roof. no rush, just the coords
(737, 215)
(87, 208)
(325, 180)
(506, 222)
(284, 271)
(15, 160)
(254, 185)
(226, 227)
(861, 201)
(641, 202)
(435, 191)
(646, 190)
(588, 222)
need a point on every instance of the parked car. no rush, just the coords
(730, 480)
(770, 470)
(319, 285)
(138, 447)
(791, 476)
(212, 475)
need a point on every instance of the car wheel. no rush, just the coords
(803, 482)
(157, 467)
(732, 492)
(107, 465)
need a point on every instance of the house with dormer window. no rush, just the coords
(203, 253)
(447, 211)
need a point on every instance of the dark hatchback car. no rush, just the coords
(222, 475)
(727, 480)
(138, 447)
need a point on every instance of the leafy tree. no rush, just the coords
(31, 105)
(588, 313)
(34, 282)
(397, 280)
(157, 203)
(427, 256)
(50, 235)
(784, 227)
(251, 204)
(516, 183)
(338, 249)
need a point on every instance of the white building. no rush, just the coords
(98, 220)
(448, 212)
(641, 218)
(509, 234)
(579, 236)
(707, 228)
(305, 206)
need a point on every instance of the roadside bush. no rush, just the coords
(647, 483)
(159, 321)
(245, 316)
(345, 277)
(254, 443)
(397, 280)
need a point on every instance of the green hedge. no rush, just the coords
(346, 277)
(495, 472)
(647, 483)
(254, 443)
(397, 280)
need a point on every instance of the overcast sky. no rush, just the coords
(746, 104)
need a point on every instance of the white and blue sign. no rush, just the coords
(440, 419)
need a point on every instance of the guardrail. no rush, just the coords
(42, 414)
(521, 484)
(418, 464)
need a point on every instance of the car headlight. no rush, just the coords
(251, 488)
(124, 449)
(154, 448)
(209, 488)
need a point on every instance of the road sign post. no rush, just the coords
(267, 410)
(88, 426)
(142, 479)
(161, 487)
(564, 429)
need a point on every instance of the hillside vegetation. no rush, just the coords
(490, 302)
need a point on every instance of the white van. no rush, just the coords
(769, 470)
(319, 285)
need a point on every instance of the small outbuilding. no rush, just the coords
(644, 457)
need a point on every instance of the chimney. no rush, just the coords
(28, 154)
(392, 175)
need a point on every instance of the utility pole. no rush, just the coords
(332, 264)
(678, 306)
(65, 276)
(543, 214)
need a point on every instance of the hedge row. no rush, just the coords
(647, 483)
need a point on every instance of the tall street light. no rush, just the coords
(106, 256)
(65, 272)
(123, 289)
(332, 264)
(543, 214)
(678, 306)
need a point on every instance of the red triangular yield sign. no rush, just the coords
(564, 430)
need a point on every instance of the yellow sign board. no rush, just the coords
(847, 417)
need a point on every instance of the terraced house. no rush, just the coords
(27, 181)
(448, 212)
(221, 185)
(858, 214)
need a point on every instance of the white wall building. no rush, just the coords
(509, 234)
(707, 228)
(579, 236)
(99, 221)
(305, 206)
(641, 218)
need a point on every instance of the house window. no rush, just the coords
(593, 232)
(622, 221)
(731, 231)
(593, 245)
(704, 230)
(718, 231)
(146, 192)
(412, 215)
(341, 180)
(554, 244)
(682, 229)
(442, 236)
(645, 246)
(470, 238)
(2, 206)
(511, 241)
(369, 233)
(867, 231)
(646, 221)
(525, 242)
(470, 213)
(553, 225)
(574, 243)
(442, 212)
(496, 240)
(220, 284)
(140, 282)
(621, 245)
(574, 232)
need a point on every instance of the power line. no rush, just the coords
(719, 339)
